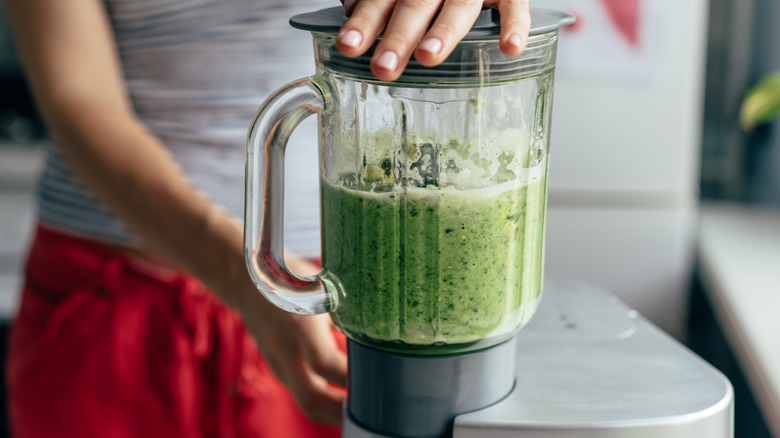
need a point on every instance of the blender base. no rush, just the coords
(588, 366)
(418, 396)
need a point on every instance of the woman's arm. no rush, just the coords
(71, 62)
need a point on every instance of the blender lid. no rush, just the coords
(487, 26)
(477, 60)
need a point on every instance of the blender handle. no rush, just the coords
(266, 142)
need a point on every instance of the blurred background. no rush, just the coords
(658, 192)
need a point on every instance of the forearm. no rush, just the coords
(75, 75)
(133, 176)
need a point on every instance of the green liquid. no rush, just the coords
(434, 269)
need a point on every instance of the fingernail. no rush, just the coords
(387, 60)
(515, 40)
(351, 38)
(431, 45)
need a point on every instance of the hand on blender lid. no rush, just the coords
(428, 30)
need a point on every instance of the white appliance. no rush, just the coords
(623, 187)
(588, 366)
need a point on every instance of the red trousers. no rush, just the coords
(104, 346)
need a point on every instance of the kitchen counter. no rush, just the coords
(739, 253)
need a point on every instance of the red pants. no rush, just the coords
(104, 347)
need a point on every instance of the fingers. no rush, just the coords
(321, 351)
(304, 355)
(452, 24)
(404, 31)
(314, 369)
(349, 6)
(366, 22)
(317, 399)
(406, 21)
(515, 24)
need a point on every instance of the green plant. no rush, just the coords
(762, 102)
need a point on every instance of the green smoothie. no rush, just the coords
(429, 266)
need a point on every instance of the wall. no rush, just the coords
(763, 163)
(625, 148)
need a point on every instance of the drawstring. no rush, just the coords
(81, 296)
(198, 314)
(75, 299)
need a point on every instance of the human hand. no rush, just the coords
(301, 350)
(304, 355)
(406, 30)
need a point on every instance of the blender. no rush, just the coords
(433, 196)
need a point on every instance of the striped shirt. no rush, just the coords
(196, 71)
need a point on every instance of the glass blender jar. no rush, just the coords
(433, 195)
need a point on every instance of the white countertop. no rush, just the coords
(739, 250)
